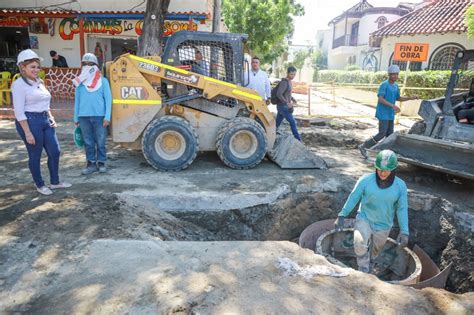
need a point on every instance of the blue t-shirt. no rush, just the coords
(378, 206)
(95, 104)
(391, 93)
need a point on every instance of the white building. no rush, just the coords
(114, 25)
(439, 24)
(350, 31)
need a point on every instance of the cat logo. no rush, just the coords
(133, 93)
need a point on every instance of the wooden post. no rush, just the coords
(405, 78)
(402, 92)
(309, 100)
(333, 88)
(81, 37)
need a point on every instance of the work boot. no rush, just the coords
(90, 168)
(367, 144)
(102, 168)
(363, 262)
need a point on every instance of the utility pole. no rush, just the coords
(150, 42)
(216, 21)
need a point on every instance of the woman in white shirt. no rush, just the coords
(34, 122)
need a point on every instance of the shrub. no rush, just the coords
(426, 79)
(352, 67)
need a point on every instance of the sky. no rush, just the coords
(320, 12)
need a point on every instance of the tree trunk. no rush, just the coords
(151, 40)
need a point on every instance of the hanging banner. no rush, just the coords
(70, 27)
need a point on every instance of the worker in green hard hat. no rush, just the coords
(381, 194)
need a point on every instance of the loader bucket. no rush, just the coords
(436, 154)
(290, 153)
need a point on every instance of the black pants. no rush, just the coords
(385, 129)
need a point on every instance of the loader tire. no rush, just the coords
(170, 143)
(241, 143)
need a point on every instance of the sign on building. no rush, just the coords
(411, 52)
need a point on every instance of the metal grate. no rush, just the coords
(444, 59)
(209, 58)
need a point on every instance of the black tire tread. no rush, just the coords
(176, 120)
(224, 129)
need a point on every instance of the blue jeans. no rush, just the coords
(284, 112)
(45, 137)
(385, 129)
(94, 135)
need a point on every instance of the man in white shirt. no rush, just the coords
(258, 80)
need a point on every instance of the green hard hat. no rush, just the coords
(78, 140)
(386, 160)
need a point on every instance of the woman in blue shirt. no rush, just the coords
(388, 94)
(92, 111)
(381, 194)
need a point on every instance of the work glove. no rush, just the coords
(339, 224)
(402, 239)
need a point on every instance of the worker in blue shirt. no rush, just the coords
(381, 194)
(388, 94)
(92, 111)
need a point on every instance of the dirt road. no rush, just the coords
(98, 247)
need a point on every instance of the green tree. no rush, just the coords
(470, 20)
(319, 61)
(299, 59)
(267, 22)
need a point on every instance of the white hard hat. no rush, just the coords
(393, 69)
(27, 54)
(90, 58)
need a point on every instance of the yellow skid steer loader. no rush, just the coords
(192, 99)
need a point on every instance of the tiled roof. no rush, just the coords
(440, 16)
(60, 13)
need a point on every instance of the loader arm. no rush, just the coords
(204, 86)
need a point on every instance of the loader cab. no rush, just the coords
(216, 55)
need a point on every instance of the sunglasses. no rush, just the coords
(88, 64)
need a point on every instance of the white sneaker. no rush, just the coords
(60, 185)
(44, 191)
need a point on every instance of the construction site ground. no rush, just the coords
(210, 239)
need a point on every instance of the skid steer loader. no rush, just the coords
(440, 141)
(192, 99)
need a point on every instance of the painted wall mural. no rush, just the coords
(70, 27)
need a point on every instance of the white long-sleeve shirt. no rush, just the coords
(259, 82)
(29, 98)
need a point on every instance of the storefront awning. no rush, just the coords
(100, 14)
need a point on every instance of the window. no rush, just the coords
(444, 58)
(208, 58)
(381, 21)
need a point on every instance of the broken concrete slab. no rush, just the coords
(292, 154)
